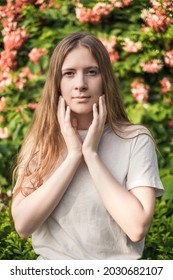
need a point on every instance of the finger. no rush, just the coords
(62, 107)
(67, 114)
(95, 114)
(101, 111)
(59, 108)
(102, 108)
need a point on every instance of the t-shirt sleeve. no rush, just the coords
(143, 165)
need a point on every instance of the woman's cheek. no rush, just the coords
(97, 98)
(65, 99)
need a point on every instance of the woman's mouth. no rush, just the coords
(81, 98)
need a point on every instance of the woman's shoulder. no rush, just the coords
(131, 130)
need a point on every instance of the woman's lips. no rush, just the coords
(81, 98)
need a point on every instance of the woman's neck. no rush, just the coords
(83, 121)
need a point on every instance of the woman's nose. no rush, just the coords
(80, 82)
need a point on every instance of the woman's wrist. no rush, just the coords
(89, 155)
(74, 156)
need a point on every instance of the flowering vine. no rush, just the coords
(130, 46)
(152, 66)
(99, 10)
(110, 46)
(14, 37)
(139, 90)
(127, 50)
(166, 85)
(158, 16)
(169, 58)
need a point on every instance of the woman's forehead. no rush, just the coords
(79, 56)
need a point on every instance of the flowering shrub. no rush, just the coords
(139, 38)
(35, 54)
(130, 46)
(169, 58)
(139, 90)
(110, 46)
(152, 66)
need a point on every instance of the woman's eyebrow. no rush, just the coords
(74, 68)
(67, 69)
(94, 66)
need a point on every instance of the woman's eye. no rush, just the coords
(92, 72)
(68, 74)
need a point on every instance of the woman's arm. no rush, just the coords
(132, 210)
(31, 211)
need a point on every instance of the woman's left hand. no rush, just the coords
(91, 142)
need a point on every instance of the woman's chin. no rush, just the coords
(81, 110)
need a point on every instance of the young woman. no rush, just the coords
(87, 178)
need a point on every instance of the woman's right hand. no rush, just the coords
(69, 129)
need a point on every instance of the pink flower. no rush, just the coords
(165, 84)
(15, 39)
(4, 133)
(23, 2)
(8, 26)
(2, 104)
(145, 28)
(121, 3)
(5, 80)
(166, 4)
(26, 73)
(92, 15)
(152, 66)
(114, 56)
(50, 4)
(87, 15)
(158, 19)
(130, 46)
(100, 9)
(155, 3)
(169, 58)
(139, 90)
(8, 60)
(110, 46)
(22, 78)
(38, 2)
(35, 54)
(103, 9)
(127, 2)
(19, 82)
(14, 36)
(32, 106)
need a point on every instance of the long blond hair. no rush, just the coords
(44, 142)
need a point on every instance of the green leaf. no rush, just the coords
(168, 185)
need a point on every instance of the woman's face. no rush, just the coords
(81, 82)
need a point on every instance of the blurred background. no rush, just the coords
(139, 38)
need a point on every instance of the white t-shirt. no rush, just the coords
(80, 227)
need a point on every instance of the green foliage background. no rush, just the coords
(45, 29)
